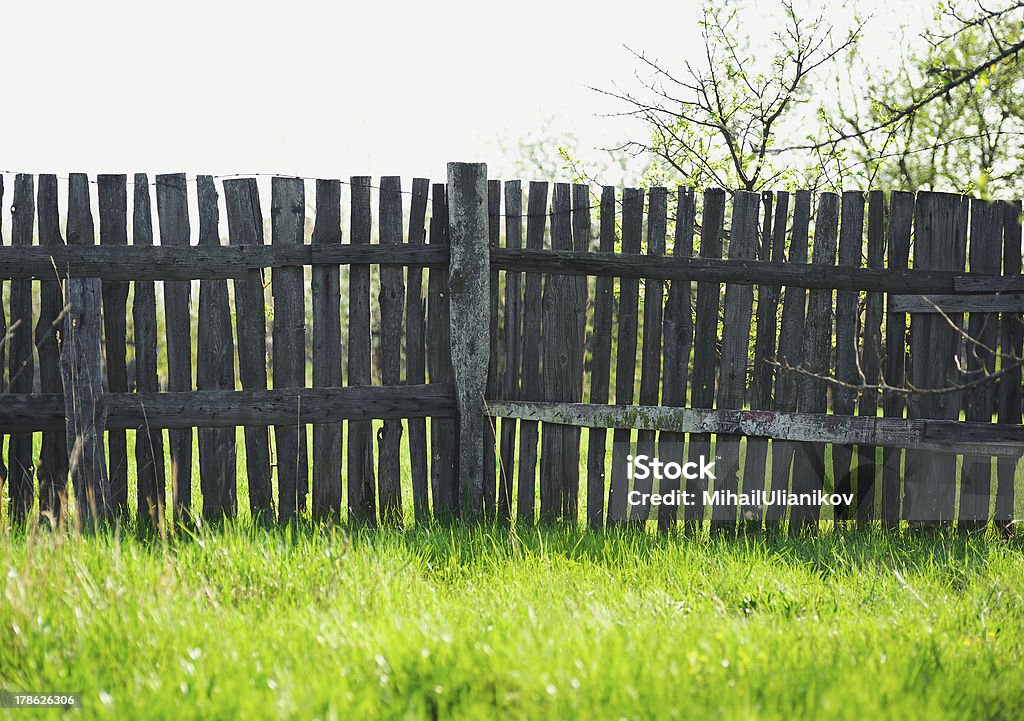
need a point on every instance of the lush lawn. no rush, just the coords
(247, 623)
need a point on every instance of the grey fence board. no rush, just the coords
(809, 462)
(151, 483)
(327, 358)
(172, 211)
(392, 302)
(245, 230)
(625, 361)
(940, 239)
(494, 383)
(600, 370)
(650, 355)
(361, 502)
(443, 480)
(53, 455)
(702, 394)
(1011, 347)
(893, 403)
(536, 221)
(789, 355)
(871, 358)
(21, 365)
(732, 382)
(844, 398)
(221, 408)
(772, 247)
(938, 437)
(287, 217)
(678, 340)
(84, 415)
(512, 326)
(415, 349)
(215, 369)
(986, 251)
(113, 207)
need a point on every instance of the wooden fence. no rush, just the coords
(867, 344)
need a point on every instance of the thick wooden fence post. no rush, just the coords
(468, 283)
(81, 370)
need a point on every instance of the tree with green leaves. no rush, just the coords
(720, 121)
(950, 117)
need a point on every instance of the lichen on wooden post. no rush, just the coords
(469, 289)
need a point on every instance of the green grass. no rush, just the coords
(240, 622)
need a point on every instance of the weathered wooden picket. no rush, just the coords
(799, 375)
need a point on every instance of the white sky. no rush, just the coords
(332, 89)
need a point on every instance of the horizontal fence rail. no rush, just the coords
(386, 354)
(936, 436)
(224, 262)
(219, 409)
(199, 262)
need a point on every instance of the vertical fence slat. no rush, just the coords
(844, 399)
(650, 355)
(625, 361)
(871, 355)
(149, 442)
(21, 368)
(81, 370)
(809, 464)
(893, 403)
(361, 501)
(559, 349)
(513, 346)
(391, 298)
(172, 209)
(245, 227)
(53, 456)
(493, 381)
(564, 327)
(705, 359)
(773, 243)
(215, 369)
(600, 369)
(415, 358)
(788, 355)
(940, 239)
(443, 481)
(578, 329)
(287, 218)
(1011, 346)
(678, 334)
(113, 206)
(982, 336)
(732, 382)
(327, 372)
(536, 220)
